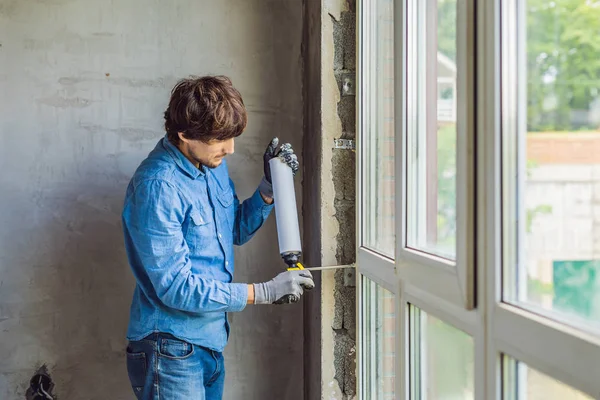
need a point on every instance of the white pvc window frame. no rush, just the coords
(452, 280)
(371, 264)
(554, 348)
(377, 267)
(467, 294)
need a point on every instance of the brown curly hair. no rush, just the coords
(205, 108)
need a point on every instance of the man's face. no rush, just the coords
(209, 154)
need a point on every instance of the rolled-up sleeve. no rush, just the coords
(249, 216)
(153, 219)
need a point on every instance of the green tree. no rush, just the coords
(563, 61)
(446, 28)
(563, 58)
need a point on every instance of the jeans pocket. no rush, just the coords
(136, 369)
(175, 349)
(219, 364)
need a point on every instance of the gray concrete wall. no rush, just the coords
(312, 194)
(83, 84)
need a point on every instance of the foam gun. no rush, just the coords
(286, 214)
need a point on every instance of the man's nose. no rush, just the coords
(230, 147)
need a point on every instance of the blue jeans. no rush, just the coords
(162, 367)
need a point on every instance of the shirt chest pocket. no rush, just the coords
(225, 200)
(200, 230)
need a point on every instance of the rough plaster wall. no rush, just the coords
(83, 85)
(332, 128)
(338, 220)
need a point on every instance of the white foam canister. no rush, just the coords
(286, 214)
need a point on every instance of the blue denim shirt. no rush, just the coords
(180, 224)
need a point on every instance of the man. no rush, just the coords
(181, 218)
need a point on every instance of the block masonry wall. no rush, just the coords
(344, 178)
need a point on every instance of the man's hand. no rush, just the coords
(286, 154)
(286, 287)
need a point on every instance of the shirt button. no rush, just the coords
(226, 262)
(220, 236)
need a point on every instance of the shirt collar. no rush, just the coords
(182, 162)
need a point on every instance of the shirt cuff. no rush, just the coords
(258, 203)
(238, 297)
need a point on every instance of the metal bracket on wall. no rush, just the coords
(344, 144)
(348, 84)
(350, 277)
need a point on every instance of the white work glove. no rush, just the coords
(287, 287)
(286, 154)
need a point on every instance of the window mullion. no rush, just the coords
(402, 346)
(372, 335)
(488, 240)
(400, 117)
(465, 147)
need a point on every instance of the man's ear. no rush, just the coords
(182, 137)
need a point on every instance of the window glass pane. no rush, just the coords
(378, 341)
(524, 383)
(432, 137)
(378, 146)
(442, 359)
(558, 162)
